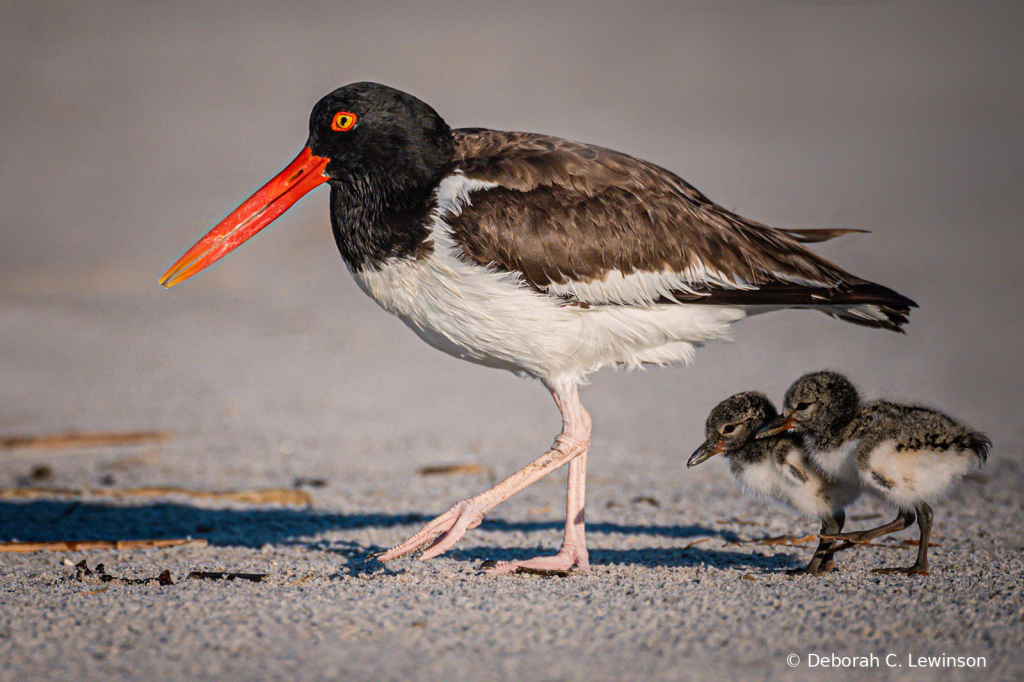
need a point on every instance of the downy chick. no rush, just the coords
(776, 468)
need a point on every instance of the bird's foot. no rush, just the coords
(908, 570)
(572, 554)
(442, 533)
(566, 560)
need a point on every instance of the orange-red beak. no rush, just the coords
(781, 424)
(258, 211)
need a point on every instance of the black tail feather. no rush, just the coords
(866, 304)
(979, 444)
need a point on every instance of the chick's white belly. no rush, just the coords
(766, 479)
(807, 494)
(489, 317)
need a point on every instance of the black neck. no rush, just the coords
(373, 222)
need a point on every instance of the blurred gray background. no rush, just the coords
(129, 129)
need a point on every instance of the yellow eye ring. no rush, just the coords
(343, 121)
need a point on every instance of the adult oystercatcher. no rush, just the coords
(537, 255)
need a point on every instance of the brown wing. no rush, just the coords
(564, 212)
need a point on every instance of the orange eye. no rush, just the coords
(343, 121)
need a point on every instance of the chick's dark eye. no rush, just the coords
(800, 407)
(343, 121)
(729, 428)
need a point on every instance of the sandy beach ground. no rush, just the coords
(129, 129)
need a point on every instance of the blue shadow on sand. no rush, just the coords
(64, 520)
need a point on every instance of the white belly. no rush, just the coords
(489, 317)
(763, 479)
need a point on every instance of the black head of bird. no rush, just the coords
(379, 138)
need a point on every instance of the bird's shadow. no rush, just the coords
(61, 520)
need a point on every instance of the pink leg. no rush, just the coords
(573, 551)
(570, 446)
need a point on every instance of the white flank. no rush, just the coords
(641, 287)
(492, 318)
(916, 475)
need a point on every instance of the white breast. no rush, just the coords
(762, 478)
(813, 491)
(809, 492)
(492, 318)
(840, 463)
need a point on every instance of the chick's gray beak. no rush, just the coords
(702, 453)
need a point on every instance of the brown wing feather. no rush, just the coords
(821, 234)
(565, 211)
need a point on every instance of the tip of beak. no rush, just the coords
(179, 272)
(780, 425)
(167, 281)
(703, 453)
